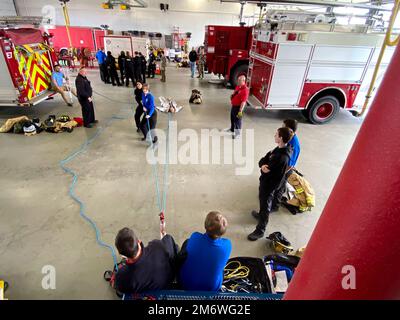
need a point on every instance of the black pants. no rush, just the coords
(138, 75)
(114, 76)
(87, 112)
(236, 123)
(280, 191)
(144, 75)
(122, 72)
(104, 73)
(130, 76)
(138, 114)
(266, 198)
(151, 71)
(144, 125)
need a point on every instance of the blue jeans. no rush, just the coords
(192, 67)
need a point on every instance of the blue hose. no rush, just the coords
(75, 176)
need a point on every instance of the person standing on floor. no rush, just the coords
(101, 60)
(201, 64)
(149, 121)
(163, 66)
(273, 168)
(139, 109)
(151, 71)
(84, 93)
(129, 69)
(112, 69)
(138, 67)
(192, 61)
(294, 144)
(143, 66)
(238, 102)
(121, 65)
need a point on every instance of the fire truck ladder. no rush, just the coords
(251, 58)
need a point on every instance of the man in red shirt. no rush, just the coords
(238, 102)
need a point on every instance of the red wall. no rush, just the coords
(80, 37)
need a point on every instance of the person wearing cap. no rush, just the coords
(84, 91)
(58, 84)
(205, 256)
(145, 268)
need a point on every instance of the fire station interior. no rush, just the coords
(70, 183)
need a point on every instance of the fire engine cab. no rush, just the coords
(315, 67)
(26, 64)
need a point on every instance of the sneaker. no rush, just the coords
(88, 126)
(228, 130)
(70, 105)
(255, 235)
(143, 139)
(255, 214)
(95, 121)
(137, 130)
(155, 139)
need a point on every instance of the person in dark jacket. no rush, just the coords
(273, 168)
(143, 66)
(149, 121)
(139, 109)
(84, 92)
(129, 69)
(192, 61)
(138, 67)
(145, 268)
(121, 65)
(112, 69)
(151, 71)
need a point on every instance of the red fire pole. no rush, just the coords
(360, 225)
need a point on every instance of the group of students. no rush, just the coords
(198, 265)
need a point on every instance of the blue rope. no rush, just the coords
(75, 176)
(161, 200)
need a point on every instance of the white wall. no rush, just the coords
(7, 8)
(189, 15)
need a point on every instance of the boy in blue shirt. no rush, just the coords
(206, 256)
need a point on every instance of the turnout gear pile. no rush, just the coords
(30, 127)
(303, 197)
(196, 97)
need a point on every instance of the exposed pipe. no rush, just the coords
(315, 2)
(242, 3)
(16, 8)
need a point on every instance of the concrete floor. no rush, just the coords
(40, 224)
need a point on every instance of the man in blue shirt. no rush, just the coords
(101, 60)
(149, 121)
(206, 256)
(295, 146)
(58, 85)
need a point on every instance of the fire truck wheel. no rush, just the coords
(238, 71)
(323, 110)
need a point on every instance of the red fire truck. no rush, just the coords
(318, 68)
(227, 51)
(26, 64)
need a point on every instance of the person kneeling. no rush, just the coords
(145, 268)
(206, 256)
